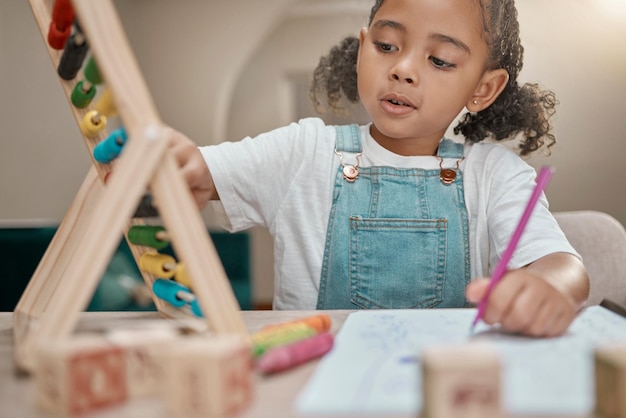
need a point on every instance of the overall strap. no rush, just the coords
(450, 149)
(348, 138)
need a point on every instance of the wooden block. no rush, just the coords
(610, 381)
(79, 375)
(209, 376)
(461, 381)
(143, 351)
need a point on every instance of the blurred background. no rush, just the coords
(225, 69)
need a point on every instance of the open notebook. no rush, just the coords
(374, 365)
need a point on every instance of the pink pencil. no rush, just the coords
(291, 355)
(542, 181)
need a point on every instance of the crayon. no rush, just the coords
(320, 322)
(264, 340)
(291, 355)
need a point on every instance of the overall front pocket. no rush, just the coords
(397, 263)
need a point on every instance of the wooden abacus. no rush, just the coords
(99, 216)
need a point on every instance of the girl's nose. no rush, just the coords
(404, 71)
(401, 78)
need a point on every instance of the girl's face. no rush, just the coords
(420, 62)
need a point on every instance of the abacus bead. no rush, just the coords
(195, 308)
(154, 263)
(73, 56)
(181, 275)
(92, 124)
(58, 36)
(105, 104)
(91, 72)
(145, 235)
(145, 208)
(80, 97)
(78, 27)
(110, 148)
(63, 13)
(167, 289)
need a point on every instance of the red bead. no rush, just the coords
(63, 14)
(57, 36)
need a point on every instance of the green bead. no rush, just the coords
(146, 235)
(81, 98)
(91, 72)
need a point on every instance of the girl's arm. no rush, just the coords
(541, 299)
(566, 273)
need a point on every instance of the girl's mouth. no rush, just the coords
(396, 106)
(398, 103)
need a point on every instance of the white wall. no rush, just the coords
(576, 49)
(218, 70)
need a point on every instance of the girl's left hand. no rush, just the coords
(524, 303)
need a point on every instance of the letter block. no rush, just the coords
(93, 371)
(79, 375)
(461, 381)
(209, 376)
(143, 350)
(610, 381)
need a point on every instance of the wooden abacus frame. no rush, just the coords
(86, 239)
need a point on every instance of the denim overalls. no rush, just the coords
(396, 238)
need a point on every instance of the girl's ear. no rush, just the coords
(491, 85)
(362, 35)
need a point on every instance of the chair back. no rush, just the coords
(601, 241)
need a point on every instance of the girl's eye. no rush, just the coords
(441, 64)
(384, 47)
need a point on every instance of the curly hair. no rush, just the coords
(519, 109)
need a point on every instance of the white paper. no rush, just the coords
(374, 365)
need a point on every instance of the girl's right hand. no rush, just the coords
(193, 167)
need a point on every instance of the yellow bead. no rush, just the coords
(181, 275)
(159, 265)
(105, 104)
(92, 124)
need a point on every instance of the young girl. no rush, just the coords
(391, 214)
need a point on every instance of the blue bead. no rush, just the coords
(109, 149)
(195, 308)
(167, 289)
